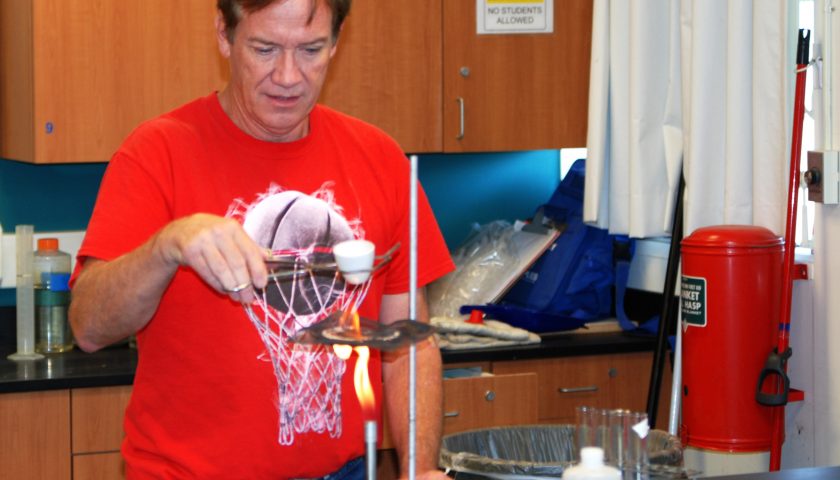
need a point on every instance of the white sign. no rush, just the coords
(514, 16)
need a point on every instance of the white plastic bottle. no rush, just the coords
(52, 297)
(591, 467)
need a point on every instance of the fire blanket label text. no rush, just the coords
(693, 301)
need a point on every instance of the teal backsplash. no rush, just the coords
(50, 197)
(462, 188)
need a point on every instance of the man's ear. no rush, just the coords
(222, 36)
(335, 43)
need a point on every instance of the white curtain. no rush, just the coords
(702, 85)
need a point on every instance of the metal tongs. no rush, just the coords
(284, 266)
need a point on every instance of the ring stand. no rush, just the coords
(333, 331)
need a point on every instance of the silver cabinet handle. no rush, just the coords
(451, 414)
(460, 101)
(591, 388)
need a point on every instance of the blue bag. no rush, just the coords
(572, 282)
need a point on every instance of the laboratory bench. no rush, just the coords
(115, 365)
(61, 416)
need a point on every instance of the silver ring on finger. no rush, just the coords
(238, 288)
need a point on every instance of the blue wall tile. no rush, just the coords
(49, 197)
(463, 189)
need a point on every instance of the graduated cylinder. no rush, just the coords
(730, 301)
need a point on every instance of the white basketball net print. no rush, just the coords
(303, 228)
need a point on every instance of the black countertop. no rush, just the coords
(73, 369)
(116, 365)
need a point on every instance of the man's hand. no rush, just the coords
(219, 251)
(103, 310)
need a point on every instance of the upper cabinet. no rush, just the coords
(387, 70)
(515, 91)
(77, 76)
(420, 71)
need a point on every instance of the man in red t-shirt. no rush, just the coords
(188, 209)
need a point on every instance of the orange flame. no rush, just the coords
(357, 324)
(361, 380)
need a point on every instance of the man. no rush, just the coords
(187, 210)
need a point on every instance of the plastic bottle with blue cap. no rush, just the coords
(51, 268)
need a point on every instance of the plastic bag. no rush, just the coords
(487, 253)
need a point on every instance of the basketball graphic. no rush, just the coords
(299, 225)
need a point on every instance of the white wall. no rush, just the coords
(813, 426)
(826, 354)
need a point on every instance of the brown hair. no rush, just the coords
(232, 11)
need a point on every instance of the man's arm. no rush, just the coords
(429, 413)
(113, 299)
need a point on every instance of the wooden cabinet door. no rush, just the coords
(618, 380)
(492, 401)
(632, 381)
(97, 418)
(565, 383)
(99, 466)
(95, 70)
(96, 424)
(34, 435)
(523, 91)
(387, 70)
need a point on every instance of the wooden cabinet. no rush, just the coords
(605, 381)
(493, 401)
(101, 466)
(34, 435)
(96, 420)
(77, 76)
(472, 403)
(45, 434)
(421, 72)
(387, 70)
(519, 91)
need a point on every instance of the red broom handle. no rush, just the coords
(790, 239)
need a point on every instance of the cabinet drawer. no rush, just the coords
(99, 466)
(481, 402)
(97, 418)
(565, 383)
(617, 380)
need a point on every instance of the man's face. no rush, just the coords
(278, 60)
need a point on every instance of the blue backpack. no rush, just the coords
(572, 282)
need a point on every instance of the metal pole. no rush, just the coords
(669, 307)
(412, 313)
(676, 381)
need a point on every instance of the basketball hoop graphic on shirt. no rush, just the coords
(301, 229)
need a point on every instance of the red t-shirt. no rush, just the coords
(205, 397)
